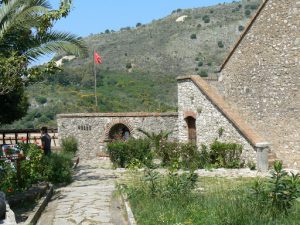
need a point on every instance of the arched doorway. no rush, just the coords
(119, 131)
(191, 124)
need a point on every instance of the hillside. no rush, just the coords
(140, 64)
(167, 46)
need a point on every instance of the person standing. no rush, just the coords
(46, 141)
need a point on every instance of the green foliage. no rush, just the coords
(37, 167)
(206, 19)
(59, 168)
(222, 201)
(220, 44)
(226, 155)
(156, 138)
(25, 34)
(41, 99)
(170, 186)
(203, 73)
(14, 106)
(241, 27)
(248, 12)
(69, 145)
(280, 191)
(193, 36)
(124, 153)
(200, 64)
(138, 25)
(128, 65)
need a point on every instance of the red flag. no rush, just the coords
(97, 58)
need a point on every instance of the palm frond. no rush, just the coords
(54, 42)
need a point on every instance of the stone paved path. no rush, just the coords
(88, 200)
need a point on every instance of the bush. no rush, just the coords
(37, 167)
(59, 168)
(128, 65)
(241, 28)
(69, 145)
(170, 186)
(138, 25)
(220, 44)
(41, 99)
(226, 155)
(248, 12)
(193, 36)
(203, 73)
(200, 64)
(206, 19)
(280, 192)
(124, 153)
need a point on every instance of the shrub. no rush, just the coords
(138, 25)
(123, 153)
(226, 155)
(220, 44)
(193, 36)
(280, 192)
(107, 31)
(128, 65)
(200, 64)
(206, 19)
(170, 186)
(59, 168)
(241, 28)
(197, 59)
(69, 145)
(248, 12)
(209, 63)
(203, 73)
(41, 99)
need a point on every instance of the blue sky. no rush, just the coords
(95, 16)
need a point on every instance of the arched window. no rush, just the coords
(191, 124)
(119, 131)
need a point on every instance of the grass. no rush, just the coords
(220, 201)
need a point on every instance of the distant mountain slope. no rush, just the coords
(167, 46)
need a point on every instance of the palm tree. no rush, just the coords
(25, 28)
(156, 138)
(26, 34)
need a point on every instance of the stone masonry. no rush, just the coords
(260, 78)
(92, 129)
(196, 98)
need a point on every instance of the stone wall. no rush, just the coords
(92, 129)
(261, 79)
(197, 99)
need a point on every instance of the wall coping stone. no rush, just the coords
(127, 114)
(252, 136)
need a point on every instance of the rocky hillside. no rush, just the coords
(197, 43)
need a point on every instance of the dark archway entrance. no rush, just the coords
(192, 134)
(119, 131)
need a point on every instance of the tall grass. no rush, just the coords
(220, 202)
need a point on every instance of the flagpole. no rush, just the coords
(95, 75)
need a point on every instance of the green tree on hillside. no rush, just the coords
(25, 35)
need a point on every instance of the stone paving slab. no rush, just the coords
(86, 201)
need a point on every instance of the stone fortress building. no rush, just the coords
(256, 101)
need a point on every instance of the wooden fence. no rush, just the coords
(26, 135)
